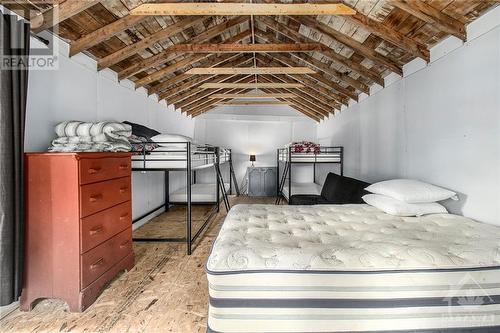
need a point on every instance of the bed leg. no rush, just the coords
(167, 190)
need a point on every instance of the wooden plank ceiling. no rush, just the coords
(345, 54)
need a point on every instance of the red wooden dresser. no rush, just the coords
(78, 225)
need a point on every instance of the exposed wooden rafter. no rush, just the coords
(245, 48)
(433, 16)
(163, 34)
(251, 70)
(98, 36)
(294, 35)
(261, 44)
(251, 103)
(251, 85)
(351, 43)
(252, 96)
(59, 13)
(165, 56)
(224, 9)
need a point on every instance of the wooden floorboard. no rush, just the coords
(166, 291)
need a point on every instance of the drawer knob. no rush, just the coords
(123, 189)
(123, 166)
(94, 170)
(96, 230)
(97, 263)
(124, 216)
(95, 197)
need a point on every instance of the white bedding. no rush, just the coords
(302, 188)
(310, 158)
(172, 160)
(336, 268)
(199, 193)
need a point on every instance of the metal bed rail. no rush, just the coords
(209, 154)
(286, 155)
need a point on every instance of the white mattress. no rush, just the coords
(336, 268)
(199, 193)
(310, 158)
(302, 188)
(157, 160)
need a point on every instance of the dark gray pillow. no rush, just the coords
(141, 130)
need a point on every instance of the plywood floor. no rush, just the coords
(166, 291)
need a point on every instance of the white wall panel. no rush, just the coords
(440, 124)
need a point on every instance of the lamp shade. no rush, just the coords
(252, 158)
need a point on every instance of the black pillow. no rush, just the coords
(141, 130)
(343, 190)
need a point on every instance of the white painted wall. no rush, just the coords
(76, 91)
(440, 124)
(255, 130)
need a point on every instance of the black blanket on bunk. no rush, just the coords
(337, 190)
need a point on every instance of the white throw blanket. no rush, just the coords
(91, 137)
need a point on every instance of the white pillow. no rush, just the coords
(411, 191)
(400, 208)
(164, 139)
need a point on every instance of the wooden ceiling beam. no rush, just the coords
(188, 103)
(241, 60)
(194, 112)
(354, 45)
(294, 35)
(58, 13)
(251, 85)
(251, 103)
(250, 70)
(171, 83)
(318, 77)
(203, 92)
(390, 35)
(155, 76)
(100, 35)
(225, 9)
(245, 48)
(308, 82)
(431, 15)
(293, 104)
(327, 100)
(252, 96)
(148, 41)
(310, 97)
(307, 110)
(321, 66)
(164, 57)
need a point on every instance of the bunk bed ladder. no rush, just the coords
(282, 183)
(222, 187)
(232, 176)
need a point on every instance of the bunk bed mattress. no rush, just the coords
(302, 188)
(310, 158)
(166, 160)
(199, 193)
(338, 268)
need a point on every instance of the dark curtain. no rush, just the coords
(14, 43)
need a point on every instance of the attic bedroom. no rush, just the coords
(250, 166)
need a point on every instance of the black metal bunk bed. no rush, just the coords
(171, 156)
(286, 155)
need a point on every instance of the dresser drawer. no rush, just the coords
(99, 196)
(97, 261)
(98, 169)
(101, 226)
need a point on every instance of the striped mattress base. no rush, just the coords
(355, 302)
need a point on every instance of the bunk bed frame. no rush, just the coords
(212, 156)
(289, 158)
